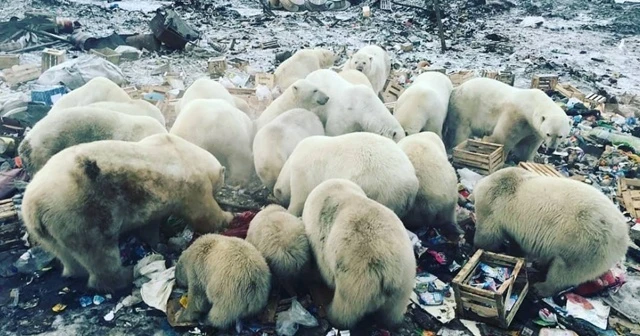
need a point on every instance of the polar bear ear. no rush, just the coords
(370, 58)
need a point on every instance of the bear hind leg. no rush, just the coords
(392, 312)
(104, 266)
(196, 305)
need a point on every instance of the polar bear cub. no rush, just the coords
(374, 62)
(302, 63)
(281, 239)
(576, 230)
(437, 197)
(98, 89)
(224, 131)
(519, 119)
(225, 276)
(362, 251)
(274, 143)
(301, 94)
(423, 106)
(372, 161)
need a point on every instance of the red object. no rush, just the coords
(239, 225)
(605, 281)
(18, 161)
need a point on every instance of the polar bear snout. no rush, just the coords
(360, 67)
(322, 100)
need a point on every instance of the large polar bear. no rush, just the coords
(274, 143)
(353, 108)
(206, 88)
(423, 106)
(302, 63)
(437, 197)
(281, 239)
(520, 119)
(132, 107)
(224, 131)
(374, 62)
(362, 251)
(96, 90)
(77, 125)
(301, 94)
(226, 277)
(87, 195)
(564, 224)
(355, 77)
(372, 161)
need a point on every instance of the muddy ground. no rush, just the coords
(594, 45)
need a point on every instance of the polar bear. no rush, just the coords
(362, 251)
(435, 204)
(519, 119)
(302, 63)
(96, 90)
(301, 94)
(77, 125)
(281, 239)
(274, 142)
(423, 106)
(132, 107)
(374, 62)
(225, 276)
(80, 202)
(204, 88)
(564, 224)
(355, 77)
(372, 161)
(224, 131)
(330, 82)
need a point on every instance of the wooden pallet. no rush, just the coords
(52, 57)
(629, 193)
(570, 91)
(485, 305)
(596, 101)
(266, 79)
(108, 54)
(7, 61)
(506, 77)
(391, 106)
(21, 73)
(483, 157)
(392, 91)
(540, 169)
(544, 82)
(10, 226)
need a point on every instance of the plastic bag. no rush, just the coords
(288, 321)
(76, 72)
(469, 178)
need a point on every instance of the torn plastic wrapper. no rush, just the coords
(156, 292)
(287, 321)
(445, 312)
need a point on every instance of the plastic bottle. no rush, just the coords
(33, 260)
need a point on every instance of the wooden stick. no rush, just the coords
(443, 45)
(35, 47)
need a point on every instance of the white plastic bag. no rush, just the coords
(288, 321)
(76, 72)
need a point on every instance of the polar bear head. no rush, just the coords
(307, 94)
(554, 129)
(362, 62)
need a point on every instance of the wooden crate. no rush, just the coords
(596, 101)
(10, 226)
(392, 91)
(544, 82)
(216, 66)
(540, 169)
(52, 57)
(391, 106)
(570, 91)
(461, 76)
(21, 73)
(168, 109)
(485, 305)
(629, 193)
(7, 61)
(483, 157)
(133, 92)
(108, 54)
(266, 79)
(506, 77)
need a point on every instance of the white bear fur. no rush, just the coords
(133, 107)
(96, 90)
(281, 239)
(423, 106)
(77, 125)
(362, 251)
(520, 119)
(226, 276)
(301, 94)
(274, 143)
(224, 131)
(355, 77)
(569, 226)
(302, 63)
(374, 62)
(437, 198)
(204, 88)
(372, 161)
